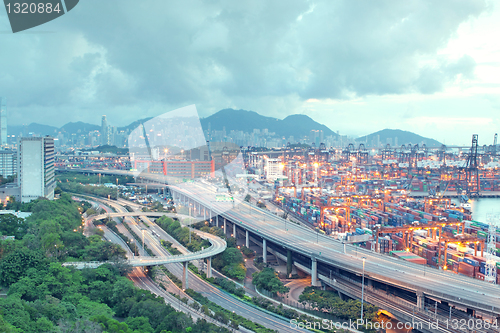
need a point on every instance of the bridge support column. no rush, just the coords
(217, 221)
(264, 251)
(234, 231)
(314, 273)
(225, 226)
(420, 300)
(185, 275)
(209, 267)
(247, 239)
(289, 263)
(204, 213)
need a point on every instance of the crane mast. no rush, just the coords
(491, 265)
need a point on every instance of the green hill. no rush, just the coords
(297, 125)
(403, 138)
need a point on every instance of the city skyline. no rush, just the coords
(426, 66)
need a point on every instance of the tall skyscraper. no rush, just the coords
(36, 168)
(3, 121)
(104, 131)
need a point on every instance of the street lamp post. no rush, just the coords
(142, 241)
(363, 288)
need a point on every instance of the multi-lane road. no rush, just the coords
(214, 294)
(442, 285)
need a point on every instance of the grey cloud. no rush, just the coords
(112, 54)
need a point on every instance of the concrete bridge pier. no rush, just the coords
(234, 231)
(247, 239)
(420, 300)
(314, 273)
(217, 221)
(204, 213)
(289, 263)
(209, 267)
(225, 226)
(185, 275)
(264, 251)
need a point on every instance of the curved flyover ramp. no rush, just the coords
(217, 245)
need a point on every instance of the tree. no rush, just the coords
(43, 325)
(89, 309)
(11, 225)
(248, 197)
(6, 327)
(15, 265)
(268, 280)
(196, 306)
(234, 324)
(140, 324)
(15, 313)
(221, 317)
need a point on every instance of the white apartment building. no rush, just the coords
(273, 169)
(36, 169)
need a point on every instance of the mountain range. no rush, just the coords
(297, 125)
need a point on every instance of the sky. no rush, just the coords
(430, 67)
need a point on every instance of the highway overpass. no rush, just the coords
(217, 245)
(325, 256)
(328, 252)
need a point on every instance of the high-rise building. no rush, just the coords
(35, 168)
(273, 168)
(104, 131)
(7, 163)
(3, 121)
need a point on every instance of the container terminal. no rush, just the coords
(366, 197)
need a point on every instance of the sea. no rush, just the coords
(481, 207)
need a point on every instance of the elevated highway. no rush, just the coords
(217, 245)
(325, 256)
(322, 250)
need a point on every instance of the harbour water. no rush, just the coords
(483, 206)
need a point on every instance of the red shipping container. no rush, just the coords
(480, 276)
(480, 259)
(466, 269)
(417, 260)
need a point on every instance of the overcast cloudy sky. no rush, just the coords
(432, 67)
